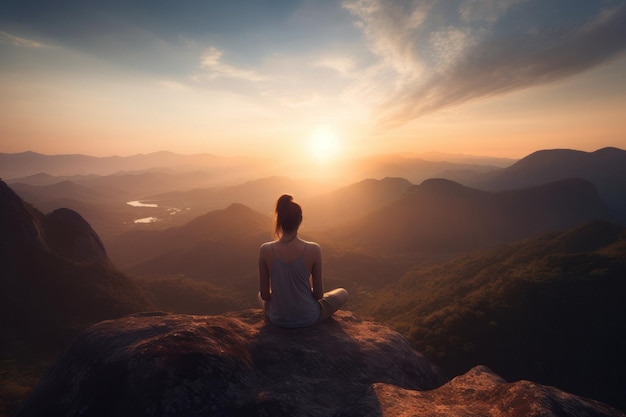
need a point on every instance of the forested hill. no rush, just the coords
(550, 309)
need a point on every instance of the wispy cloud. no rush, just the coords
(392, 29)
(342, 65)
(441, 56)
(6, 37)
(173, 85)
(214, 66)
(485, 10)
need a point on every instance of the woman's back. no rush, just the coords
(292, 302)
(309, 252)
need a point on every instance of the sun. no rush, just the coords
(324, 144)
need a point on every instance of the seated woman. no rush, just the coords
(290, 269)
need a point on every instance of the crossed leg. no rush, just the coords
(331, 302)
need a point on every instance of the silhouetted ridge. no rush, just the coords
(55, 276)
(20, 223)
(436, 187)
(552, 160)
(73, 238)
(215, 247)
(559, 205)
(236, 219)
(372, 185)
(57, 190)
(352, 201)
(442, 215)
(609, 151)
(17, 165)
(63, 231)
(604, 168)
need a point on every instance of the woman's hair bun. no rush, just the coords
(283, 201)
(288, 215)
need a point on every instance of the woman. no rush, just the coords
(290, 270)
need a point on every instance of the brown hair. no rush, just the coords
(288, 215)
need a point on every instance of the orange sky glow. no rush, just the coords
(432, 78)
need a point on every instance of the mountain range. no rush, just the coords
(193, 185)
(224, 171)
(604, 168)
(443, 216)
(438, 217)
(17, 165)
(534, 289)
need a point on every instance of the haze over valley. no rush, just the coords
(464, 251)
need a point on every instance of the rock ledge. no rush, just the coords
(159, 364)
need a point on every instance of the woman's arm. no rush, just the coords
(316, 274)
(264, 277)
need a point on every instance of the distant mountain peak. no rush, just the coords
(440, 182)
(568, 156)
(444, 186)
(238, 208)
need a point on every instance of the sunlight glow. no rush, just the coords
(324, 144)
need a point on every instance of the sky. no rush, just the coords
(312, 78)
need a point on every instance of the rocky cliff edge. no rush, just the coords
(237, 364)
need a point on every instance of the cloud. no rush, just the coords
(19, 41)
(391, 29)
(485, 10)
(342, 65)
(442, 56)
(172, 85)
(211, 61)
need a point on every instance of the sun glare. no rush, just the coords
(324, 144)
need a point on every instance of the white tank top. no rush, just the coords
(292, 304)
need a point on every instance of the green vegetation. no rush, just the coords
(183, 295)
(548, 309)
(17, 378)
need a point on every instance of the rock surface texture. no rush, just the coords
(237, 364)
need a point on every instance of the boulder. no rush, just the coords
(480, 392)
(160, 364)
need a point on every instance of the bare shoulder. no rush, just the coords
(265, 248)
(311, 244)
(314, 248)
